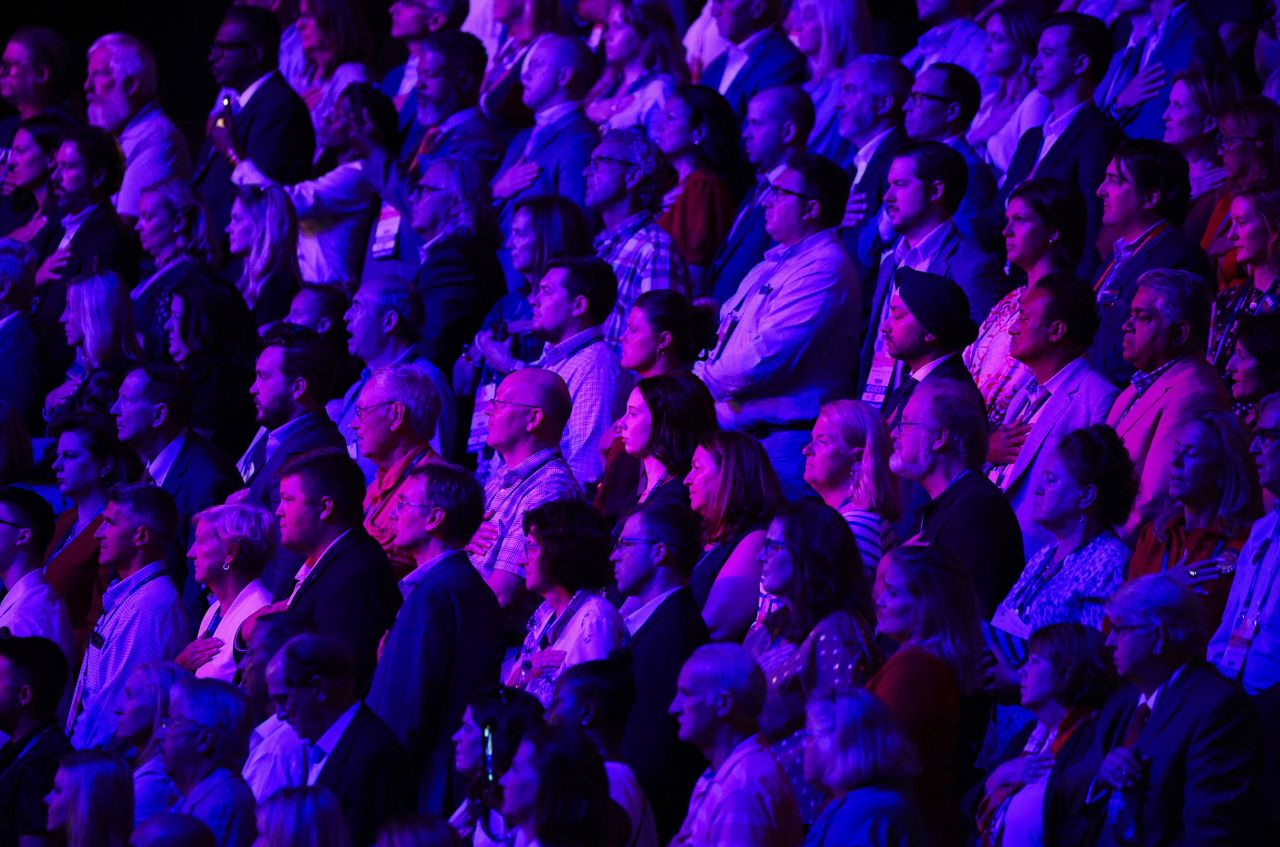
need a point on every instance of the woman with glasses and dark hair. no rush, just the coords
(1253, 370)
(492, 725)
(819, 632)
(568, 566)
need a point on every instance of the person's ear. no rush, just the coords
(580, 306)
(298, 387)
(1057, 330)
(141, 535)
(1088, 497)
(326, 507)
(161, 415)
(587, 713)
(722, 701)
(1180, 333)
(953, 112)
(533, 419)
(935, 191)
(1080, 65)
(323, 325)
(789, 132)
(390, 320)
(699, 135)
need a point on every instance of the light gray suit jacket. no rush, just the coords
(1082, 399)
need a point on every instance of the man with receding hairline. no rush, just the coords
(527, 417)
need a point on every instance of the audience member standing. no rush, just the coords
(951, 36)
(830, 35)
(1196, 99)
(644, 62)
(30, 606)
(263, 234)
(1255, 230)
(1011, 105)
(335, 45)
(759, 54)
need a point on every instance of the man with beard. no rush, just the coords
(121, 95)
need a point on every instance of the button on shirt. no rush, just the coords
(746, 801)
(319, 752)
(1259, 565)
(644, 259)
(512, 491)
(142, 621)
(788, 337)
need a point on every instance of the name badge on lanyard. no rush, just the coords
(385, 232)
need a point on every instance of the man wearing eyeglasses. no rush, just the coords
(789, 336)
(446, 642)
(30, 606)
(624, 188)
(270, 119)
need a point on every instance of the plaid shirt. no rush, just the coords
(598, 387)
(510, 493)
(643, 257)
(142, 621)
(746, 802)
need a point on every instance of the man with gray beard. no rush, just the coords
(121, 94)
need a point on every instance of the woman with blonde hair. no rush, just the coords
(98, 323)
(829, 35)
(847, 463)
(263, 233)
(140, 736)
(644, 62)
(92, 800)
(857, 752)
(173, 228)
(231, 546)
(302, 816)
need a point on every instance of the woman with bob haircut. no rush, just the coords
(1253, 371)
(91, 803)
(556, 792)
(231, 546)
(857, 752)
(732, 485)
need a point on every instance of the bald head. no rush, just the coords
(545, 391)
(789, 103)
(730, 669)
(557, 54)
(172, 830)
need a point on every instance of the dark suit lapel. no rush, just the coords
(335, 764)
(1171, 700)
(178, 471)
(547, 138)
(338, 549)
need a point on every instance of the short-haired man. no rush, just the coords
(30, 605)
(33, 677)
(570, 305)
(940, 441)
(153, 416)
(1175, 753)
(414, 24)
(743, 798)
(271, 121)
(788, 337)
(1164, 341)
(142, 619)
(121, 95)
(873, 94)
(527, 417)
(943, 102)
(277, 756)
(202, 745)
(18, 342)
(926, 186)
(447, 640)
(353, 753)
(759, 54)
(344, 588)
(776, 128)
(395, 418)
(383, 328)
(1076, 141)
(655, 552)
(1057, 318)
(1145, 196)
(291, 381)
(625, 188)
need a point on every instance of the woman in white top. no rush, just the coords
(1010, 103)
(232, 545)
(568, 566)
(335, 42)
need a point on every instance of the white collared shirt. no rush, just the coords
(929, 368)
(641, 616)
(738, 55)
(865, 153)
(419, 573)
(1055, 125)
(32, 607)
(71, 225)
(160, 466)
(310, 565)
(319, 753)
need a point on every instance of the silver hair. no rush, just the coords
(410, 386)
(251, 529)
(130, 59)
(218, 706)
(729, 668)
(1158, 600)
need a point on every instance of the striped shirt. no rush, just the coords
(643, 258)
(745, 802)
(510, 493)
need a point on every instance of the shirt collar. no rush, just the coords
(160, 466)
(1055, 125)
(252, 89)
(622, 231)
(513, 475)
(280, 433)
(122, 588)
(1123, 248)
(74, 221)
(923, 247)
(573, 343)
(748, 44)
(325, 744)
(1150, 700)
(458, 118)
(415, 577)
(781, 252)
(26, 584)
(929, 367)
(1143, 380)
(863, 157)
(144, 114)
(551, 114)
(640, 616)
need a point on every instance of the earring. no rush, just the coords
(226, 566)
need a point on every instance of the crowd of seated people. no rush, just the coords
(622, 423)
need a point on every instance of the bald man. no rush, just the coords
(527, 417)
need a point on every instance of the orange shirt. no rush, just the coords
(1151, 556)
(379, 500)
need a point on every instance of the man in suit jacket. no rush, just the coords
(412, 25)
(18, 342)
(153, 416)
(778, 127)
(1175, 757)
(445, 123)
(446, 642)
(1076, 140)
(655, 553)
(551, 156)
(874, 91)
(943, 102)
(1145, 197)
(1164, 340)
(1167, 37)
(352, 752)
(1055, 325)
(927, 186)
(85, 236)
(759, 54)
(344, 588)
(270, 121)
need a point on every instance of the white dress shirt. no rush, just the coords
(319, 753)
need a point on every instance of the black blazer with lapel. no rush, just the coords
(19, 382)
(460, 279)
(1203, 765)
(446, 644)
(351, 595)
(313, 431)
(773, 61)
(366, 772)
(862, 242)
(666, 767)
(276, 133)
(1078, 158)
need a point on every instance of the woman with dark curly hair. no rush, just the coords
(819, 633)
(1253, 371)
(492, 725)
(568, 566)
